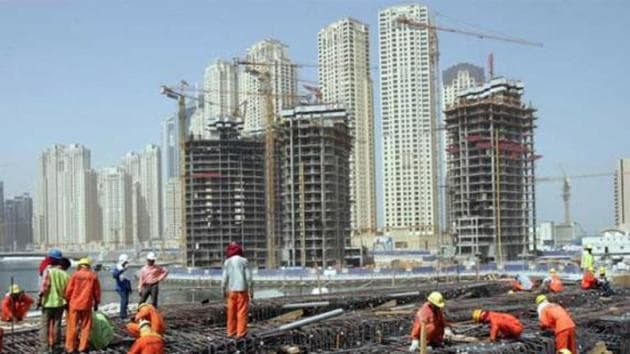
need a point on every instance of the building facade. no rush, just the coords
(314, 183)
(458, 78)
(18, 222)
(114, 199)
(622, 195)
(173, 227)
(408, 118)
(345, 77)
(221, 88)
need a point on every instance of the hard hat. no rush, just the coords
(151, 256)
(602, 270)
(15, 289)
(564, 351)
(552, 270)
(510, 292)
(436, 299)
(55, 253)
(591, 269)
(144, 323)
(540, 298)
(123, 258)
(85, 261)
(588, 247)
(476, 315)
(144, 304)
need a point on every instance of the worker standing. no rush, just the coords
(237, 285)
(430, 315)
(149, 342)
(504, 324)
(123, 285)
(554, 317)
(587, 258)
(54, 254)
(150, 277)
(83, 294)
(553, 282)
(146, 312)
(15, 304)
(52, 300)
(588, 279)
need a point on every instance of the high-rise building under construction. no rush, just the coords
(490, 134)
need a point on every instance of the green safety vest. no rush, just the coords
(56, 294)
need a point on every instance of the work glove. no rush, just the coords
(414, 345)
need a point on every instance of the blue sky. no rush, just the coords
(89, 72)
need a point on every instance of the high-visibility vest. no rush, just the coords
(56, 294)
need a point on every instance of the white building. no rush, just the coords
(173, 226)
(622, 195)
(612, 243)
(344, 76)
(408, 115)
(283, 75)
(220, 86)
(114, 199)
(458, 78)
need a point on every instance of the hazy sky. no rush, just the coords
(89, 72)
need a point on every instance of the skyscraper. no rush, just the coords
(173, 226)
(114, 199)
(283, 75)
(344, 76)
(458, 78)
(2, 227)
(408, 117)
(220, 86)
(622, 194)
(18, 216)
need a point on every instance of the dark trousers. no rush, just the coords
(50, 328)
(152, 290)
(124, 303)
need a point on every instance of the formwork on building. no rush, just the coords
(491, 157)
(314, 151)
(225, 195)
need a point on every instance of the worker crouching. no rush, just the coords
(554, 317)
(149, 341)
(15, 304)
(430, 318)
(147, 312)
(237, 285)
(503, 324)
(83, 293)
(553, 283)
(588, 279)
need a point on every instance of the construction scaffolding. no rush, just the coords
(314, 146)
(490, 174)
(225, 195)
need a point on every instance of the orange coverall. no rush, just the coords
(237, 310)
(553, 316)
(588, 281)
(148, 343)
(83, 293)
(556, 284)
(502, 323)
(516, 286)
(150, 313)
(434, 324)
(15, 311)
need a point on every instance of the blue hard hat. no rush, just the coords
(55, 253)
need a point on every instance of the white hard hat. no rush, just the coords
(123, 258)
(151, 256)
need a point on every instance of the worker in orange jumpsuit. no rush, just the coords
(504, 324)
(431, 316)
(554, 317)
(588, 279)
(147, 312)
(237, 285)
(83, 293)
(553, 282)
(15, 304)
(149, 341)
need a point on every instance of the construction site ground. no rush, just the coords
(379, 321)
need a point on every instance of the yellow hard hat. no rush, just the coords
(552, 270)
(436, 299)
(85, 261)
(15, 289)
(588, 247)
(564, 351)
(540, 298)
(591, 269)
(510, 292)
(476, 315)
(602, 270)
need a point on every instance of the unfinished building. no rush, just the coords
(314, 146)
(225, 195)
(490, 134)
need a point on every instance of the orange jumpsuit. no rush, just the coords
(553, 316)
(82, 293)
(15, 310)
(237, 311)
(516, 286)
(150, 313)
(555, 285)
(434, 324)
(502, 323)
(148, 343)
(588, 281)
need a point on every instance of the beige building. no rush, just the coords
(114, 199)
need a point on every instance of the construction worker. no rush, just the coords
(150, 277)
(588, 279)
(430, 316)
(149, 342)
(123, 285)
(554, 317)
(553, 282)
(587, 257)
(504, 324)
(15, 304)
(238, 289)
(83, 294)
(54, 254)
(147, 312)
(522, 282)
(53, 303)
(603, 283)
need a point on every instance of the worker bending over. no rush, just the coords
(554, 317)
(553, 282)
(147, 312)
(431, 316)
(588, 279)
(500, 323)
(603, 283)
(522, 282)
(237, 285)
(149, 341)
(83, 294)
(15, 304)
